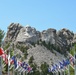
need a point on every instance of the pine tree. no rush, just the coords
(1, 36)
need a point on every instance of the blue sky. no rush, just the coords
(41, 14)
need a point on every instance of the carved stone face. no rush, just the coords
(28, 34)
(48, 36)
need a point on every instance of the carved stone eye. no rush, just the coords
(23, 30)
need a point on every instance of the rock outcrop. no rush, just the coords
(41, 54)
(23, 37)
(28, 34)
(49, 35)
(17, 33)
(12, 32)
(64, 38)
(66, 35)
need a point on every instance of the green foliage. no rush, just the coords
(72, 52)
(37, 42)
(16, 73)
(36, 72)
(47, 45)
(7, 45)
(11, 53)
(1, 36)
(44, 43)
(22, 59)
(44, 68)
(71, 71)
(6, 67)
(23, 49)
(33, 44)
(25, 54)
(58, 49)
(75, 47)
(34, 68)
(68, 47)
(31, 59)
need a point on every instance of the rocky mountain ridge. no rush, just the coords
(42, 46)
(19, 34)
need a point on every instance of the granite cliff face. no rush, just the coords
(28, 34)
(13, 31)
(66, 35)
(23, 37)
(64, 39)
(49, 35)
